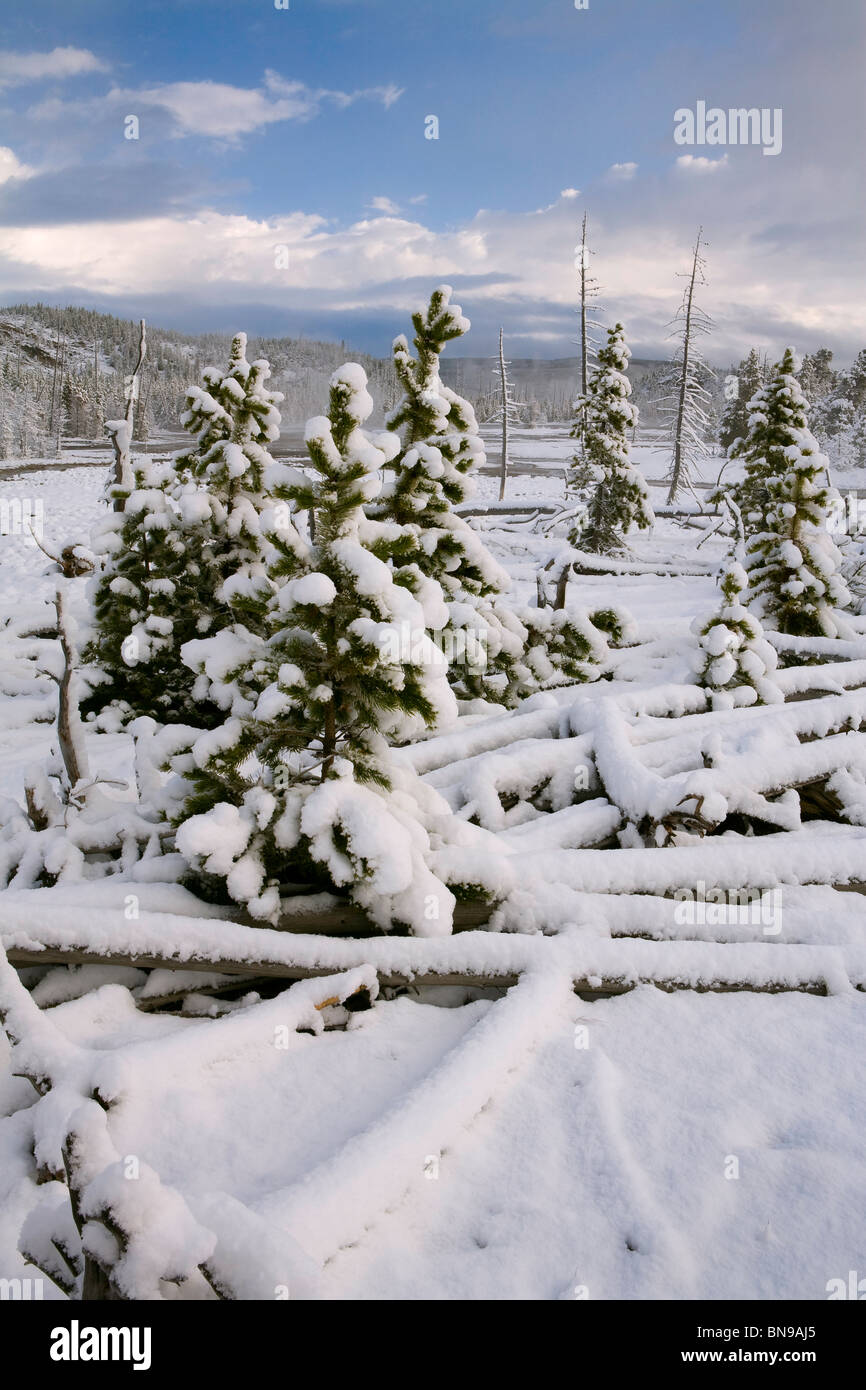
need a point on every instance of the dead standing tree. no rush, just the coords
(589, 291)
(685, 405)
(120, 431)
(509, 415)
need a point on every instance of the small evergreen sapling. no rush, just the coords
(187, 556)
(619, 498)
(143, 607)
(431, 472)
(304, 785)
(793, 565)
(734, 424)
(737, 662)
(223, 491)
(777, 422)
(492, 648)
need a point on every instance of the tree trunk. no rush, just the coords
(58, 442)
(561, 586)
(503, 463)
(583, 255)
(329, 742)
(54, 375)
(95, 420)
(96, 1287)
(69, 732)
(121, 438)
(676, 473)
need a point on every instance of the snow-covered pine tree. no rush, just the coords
(777, 422)
(430, 474)
(386, 683)
(428, 477)
(686, 405)
(794, 567)
(619, 497)
(734, 424)
(491, 648)
(817, 375)
(186, 557)
(144, 607)
(850, 445)
(833, 418)
(530, 649)
(224, 499)
(855, 442)
(234, 418)
(303, 785)
(736, 660)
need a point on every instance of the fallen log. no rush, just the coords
(582, 562)
(491, 977)
(263, 969)
(345, 919)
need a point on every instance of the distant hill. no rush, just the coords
(542, 376)
(62, 371)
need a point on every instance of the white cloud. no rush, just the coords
(620, 173)
(218, 109)
(419, 198)
(11, 166)
(18, 68)
(764, 287)
(225, 254)
(699, 164)
(387, 205)
(569, 193)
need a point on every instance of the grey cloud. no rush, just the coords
(105, 193)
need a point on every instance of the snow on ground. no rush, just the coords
(457, 1143)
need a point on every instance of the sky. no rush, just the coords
(280, 178)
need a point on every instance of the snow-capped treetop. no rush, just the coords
(146, 603)
(619, 499)
(794, 567)
(430, 413)
(736, 662)
(222, 483)
(778, 421)
(734, 423)
(233, 409)
(440, 447)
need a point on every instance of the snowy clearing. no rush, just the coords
(502, 1137)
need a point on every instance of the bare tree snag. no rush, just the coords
(561, 586)
(503, 458)
(689, 417)
(120, 431)
(70, 735)
(584, 256)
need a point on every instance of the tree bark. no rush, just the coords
(503, 463)
(329, 742)
(676, 473)
(69, 732)
(121, 440)
(583, 255)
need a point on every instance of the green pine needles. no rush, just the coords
(736, 661)
(793, 565)
(618, 497)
